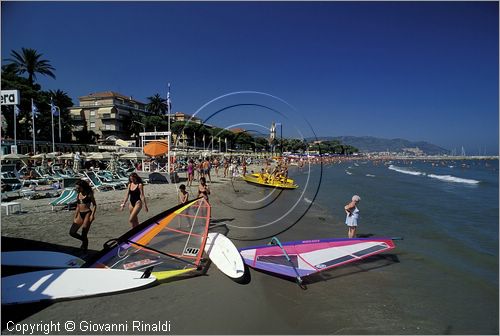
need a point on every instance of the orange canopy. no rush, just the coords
(156, 148)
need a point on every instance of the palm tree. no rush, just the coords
(28, 61)
(157, 104)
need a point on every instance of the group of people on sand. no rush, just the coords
(86, 206)
(202, 170)
(278, 175)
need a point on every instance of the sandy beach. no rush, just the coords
(381, 295)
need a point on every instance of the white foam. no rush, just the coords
(405, 171)
(370, 175)
(450, 178)
(307, 200)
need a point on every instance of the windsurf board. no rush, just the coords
(70, 283)
(41, 259)
(224, 255)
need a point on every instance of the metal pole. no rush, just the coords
(169, 133)
(15, 126)
(142, 137)
(281, 138)
(33, 126)
(52, 122)
(60, 131)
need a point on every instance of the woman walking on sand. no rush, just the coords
(84, 214)
(190, 173)
(135, 191)
(352, 216)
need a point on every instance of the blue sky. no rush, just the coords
(415, 70)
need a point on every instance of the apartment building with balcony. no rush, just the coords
(105, 113)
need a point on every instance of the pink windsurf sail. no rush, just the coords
(302, 258)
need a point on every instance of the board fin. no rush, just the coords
(147, 272)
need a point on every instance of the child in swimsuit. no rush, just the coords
(203, 189)
(183, 194)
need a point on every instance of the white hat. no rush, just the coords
(356, 198)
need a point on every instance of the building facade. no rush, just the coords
(105, 113)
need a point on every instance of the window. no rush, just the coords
(92, 125)
(107, 127)
(92, 113)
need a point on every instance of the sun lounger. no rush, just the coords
(97, 184)
(67, 198)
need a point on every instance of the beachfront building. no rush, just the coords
(104, 113)
(180, 116)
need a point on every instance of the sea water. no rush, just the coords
(445, 277)
(448, 214)
(440, 207)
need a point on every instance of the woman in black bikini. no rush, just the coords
(84, 215)
(136, 192)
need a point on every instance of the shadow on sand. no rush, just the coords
(19, 312)
(365, 265)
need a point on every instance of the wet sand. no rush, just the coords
(376, 296)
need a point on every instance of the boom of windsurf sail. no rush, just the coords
(172, 242)
(301, 258)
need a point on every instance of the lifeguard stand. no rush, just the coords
(152, 136)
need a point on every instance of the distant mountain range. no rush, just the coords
(372, 144)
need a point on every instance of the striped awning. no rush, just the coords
(104, 110)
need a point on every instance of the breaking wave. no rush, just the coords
(405, 170)
(450, 178)
(446, 178)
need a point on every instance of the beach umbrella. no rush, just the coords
(67, 156)
(44, 156)
(100, 156)
(14, 157)
(156, 148)
(134, 156)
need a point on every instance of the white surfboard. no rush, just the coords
(224, 255)
(42, 259)
(69, 283)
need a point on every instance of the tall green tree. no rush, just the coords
(29, 61)
(157, 105)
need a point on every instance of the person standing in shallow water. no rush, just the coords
(84, 214)
(135, 191)
(352, 216)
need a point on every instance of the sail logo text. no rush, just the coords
(191, 251)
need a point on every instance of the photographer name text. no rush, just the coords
(47, 328)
